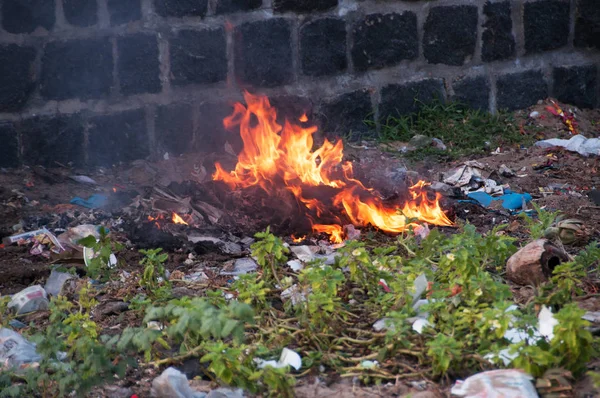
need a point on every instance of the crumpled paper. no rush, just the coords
(578, 143)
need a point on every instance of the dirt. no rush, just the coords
(36, 197)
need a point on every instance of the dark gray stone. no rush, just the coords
(450, 35)
(520, 90)
(345, 115)
(24, 16)
(406, 99)
(138, 65)
(587, 24)
(303, 6)
(473, 92)
(16, 76)
(292, 108)
(124, 11)
(9, 150)
(546, 25)
(198, 56)
(263, 53)
(174, 128)
(120, 137)
(181, 8)
(211, 135)
(382, 40)
(47, 140)
(78, 68)
(228, 6)
(498, 39)
(323, 47)
(576, 85)
(81, 12)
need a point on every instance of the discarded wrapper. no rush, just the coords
(89, 254)
(506, 383)
(577, 143)
(31, 299)
(287, 358)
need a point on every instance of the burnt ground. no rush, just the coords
(34, 197)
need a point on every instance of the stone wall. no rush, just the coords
(98, 82)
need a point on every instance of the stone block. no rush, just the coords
(124, 11)
(77, 68)
(587, 24)
(120, 137)
(229, 6)
(211, 135)
(263, 53)
(303, 6)
(576, 85)
(382, 40)
(17, 76)
(9, 150)
(450, 35)
(546, 25)
(401, 100)
(181, 8)
(174, 128)
(345, 115)
(473, 91)
(25, 16)
(198, 56)
(497, 36)
(323, 47)
(81, 12)
(520, 90)
(138, 65)
(51, 139)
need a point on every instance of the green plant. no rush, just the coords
(444, 350)
(463, 130)
(99, 266)
(537, 227)
(251, 290)
(154, 270)
(270, 253)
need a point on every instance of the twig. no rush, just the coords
(587, 207)
(178, 358)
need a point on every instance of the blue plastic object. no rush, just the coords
(510, 200)
(93, 202)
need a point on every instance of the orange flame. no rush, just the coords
(282, 156)
(303, 118)
(178, 220)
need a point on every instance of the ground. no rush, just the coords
(36, 197)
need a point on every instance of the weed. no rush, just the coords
(99, 267)
(545, 219)
(154, 270)
(464, 131)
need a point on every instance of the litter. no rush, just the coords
(294, 294)
(577, 143)
(242, 266)
(569, 232)
(95, 201)
(89, 254)
(33, 298)
(509, 201)
(83, 180)
(505, 383)
(56, 281)
(533, 264)
(505, 171)
(16, 351)
(295, 265)
(287, 358)
(462, 175)
(173, 384)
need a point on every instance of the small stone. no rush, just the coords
(439, 144)
(118, 392)
(420, 141)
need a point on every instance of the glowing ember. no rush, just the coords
(298, 240)
(303, 118)
(178, 220)
(114, 190)
(276, 156)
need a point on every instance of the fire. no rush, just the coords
(303, 118)
(178, 220)
(299, 239)
(277, 156)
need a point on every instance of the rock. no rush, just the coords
(533, 264)
(420, 141)
(56, 281)
(112, 307)
(439, 144)
(173, 384)
(225, 393)
(117, 392)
